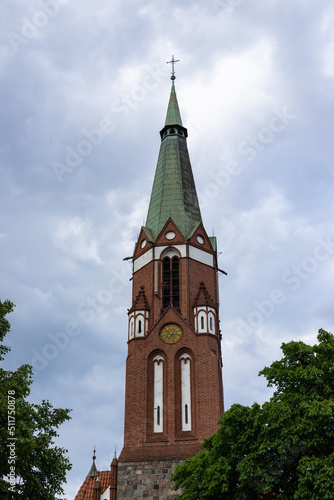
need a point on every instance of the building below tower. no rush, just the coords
(147, 480)
(99, 485)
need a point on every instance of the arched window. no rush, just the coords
(211, 322)
(202, 321)
(139, 326)
(158, 394)
(171, 282)
(185, 361)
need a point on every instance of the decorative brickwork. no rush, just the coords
(174, 391)
(147, 480)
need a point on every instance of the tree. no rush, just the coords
(31, 467)
(282, 449)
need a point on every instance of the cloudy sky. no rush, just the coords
(84, 91)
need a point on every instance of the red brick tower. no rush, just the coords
(174, 392)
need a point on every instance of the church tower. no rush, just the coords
(174, 392)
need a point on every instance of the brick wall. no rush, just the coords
(140, 442)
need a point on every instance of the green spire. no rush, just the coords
(174, 193)
(173, 113)
(93, 471)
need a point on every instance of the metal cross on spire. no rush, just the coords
(172, 62)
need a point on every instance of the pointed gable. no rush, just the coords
(143, 243)
(203, 298)
(140, 303)
(170, 234)
(168, 316)
(200, 239)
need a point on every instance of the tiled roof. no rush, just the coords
(86, 491)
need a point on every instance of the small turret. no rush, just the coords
(93, 471)
(113, 478)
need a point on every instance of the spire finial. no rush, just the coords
(93, 471)
(172, 62)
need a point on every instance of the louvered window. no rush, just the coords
(171, 282)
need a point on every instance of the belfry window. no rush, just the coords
(171, 282)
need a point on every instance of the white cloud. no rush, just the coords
(327, 32)
(63, 243)
(75, 238)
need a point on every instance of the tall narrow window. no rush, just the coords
(158, 394)
(171, 282)
(175, 282)
(166, 282)
(202, 322)
(185, 361)
(139, 326)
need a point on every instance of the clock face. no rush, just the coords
(170, 334)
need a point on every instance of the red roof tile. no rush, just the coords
(87, 488)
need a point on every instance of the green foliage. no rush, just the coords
(284, 448)
(40, 467)
(5, 308)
